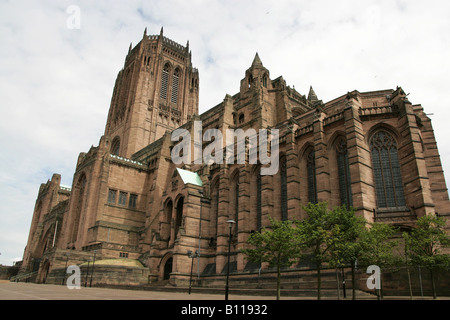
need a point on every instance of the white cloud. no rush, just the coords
(56, 83)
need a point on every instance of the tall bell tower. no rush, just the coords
(157, 90)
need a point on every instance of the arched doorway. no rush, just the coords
(168, 268)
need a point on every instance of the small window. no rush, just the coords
(241, 118)
(122, 198)
(133, 200)
(123, 254)
(112, 196)
(264, 81)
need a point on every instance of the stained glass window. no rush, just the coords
(386, 170)
(258, 202)
(284, 213)
(311, 171)
(236, 202)
(345, 189)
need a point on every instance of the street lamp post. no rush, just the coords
(87, 274)
(192, 256)
(93, 265)
(65, 268)
(230, 223)
(199, 235)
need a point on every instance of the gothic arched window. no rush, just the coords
(179, 216)
(258, 201)
(164, 81)
(283, 176)
(214, 216)
(386, 170)
(115, 146)
(165, 223)
(311, 172)
(236, 197)
(345, 189)
(175, 81)
(264, 81)
(234, 200)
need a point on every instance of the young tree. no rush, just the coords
(378, 246)
(424, 245)
(318, 229)
(345, 247)
(280, 245)
(332, 236)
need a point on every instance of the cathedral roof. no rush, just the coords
(190, 177)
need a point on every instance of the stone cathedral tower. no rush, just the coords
(157, 90)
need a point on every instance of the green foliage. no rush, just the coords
(425, 243)
(331, 236)
(347, 227)
(316, 229)
(377, 246)
(280, 245)
(339, 238)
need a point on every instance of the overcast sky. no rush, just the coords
(56, 81)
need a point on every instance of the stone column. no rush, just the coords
(362, 184)
(321, 159)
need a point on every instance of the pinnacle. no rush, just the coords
(257, 61)
(312, 95)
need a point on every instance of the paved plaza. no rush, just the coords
(32, 291)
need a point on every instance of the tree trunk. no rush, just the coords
(278, 281)
(319, 281)
(433, 285)
(353, 282)
(409, 282)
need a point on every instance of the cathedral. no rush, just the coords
(141, 218)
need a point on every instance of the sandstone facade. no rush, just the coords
(375, 151)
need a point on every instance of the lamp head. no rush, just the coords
(231, 222)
